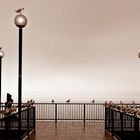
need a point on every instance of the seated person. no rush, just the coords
(8, 105)
(9, 101)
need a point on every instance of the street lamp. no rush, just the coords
(139, 54)
(1, 56)
(20, 21)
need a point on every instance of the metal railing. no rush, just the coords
(9, 124)
(70, 111)
(122, 125)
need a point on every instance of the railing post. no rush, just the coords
(55, 112)
(34, 118)
(122, 122)
(84, 112)
(136, 125)
(7, 125)
(28, 120)
(112, 122)
(105, 118)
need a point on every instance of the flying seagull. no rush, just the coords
(19, 10)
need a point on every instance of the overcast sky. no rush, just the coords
(77, 49)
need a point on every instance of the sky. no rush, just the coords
(72, 49)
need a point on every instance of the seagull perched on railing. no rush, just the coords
(52, 101)
(93, 101)
(19, 10)
(133, 103)
(121, 103)
(68, 101)
(29, 103)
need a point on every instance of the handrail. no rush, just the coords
(9, 123)
(122, 125)
(69, 111)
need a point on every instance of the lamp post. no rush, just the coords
(1, 56)
(20, 21)
(139, 54)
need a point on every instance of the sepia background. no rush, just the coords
(77, 49)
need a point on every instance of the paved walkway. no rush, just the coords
(70, 131)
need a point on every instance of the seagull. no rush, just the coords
(93, 101)
(52, 101)
(121, 102)
(133, 102)
(19, 10)
(32, 102)
(68, 101)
